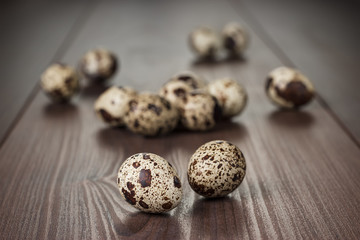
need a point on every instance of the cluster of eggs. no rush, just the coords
(285, 87)
(61, 81)
(151, 184)
(185, 99)
(207, 43)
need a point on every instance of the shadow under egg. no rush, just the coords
(115, 138)
(224, 130)
(227, 130)
(234, 58)
(291, 118)
(218, 218)
(219, 61)
(205, 61)
(142, 225)
(60, 110)
(93, 89)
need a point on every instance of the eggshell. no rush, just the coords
(60, 82)
(98, 64)
(288, 88)
(151, 115)
(235, 38)
(200, 111)
(216, 169)
(230, 95)
(204, 42)
(149, 183)
(176, 89)
(112, 105)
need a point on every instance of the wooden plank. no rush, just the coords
(58, 167)
(321, 40)
(32, 34)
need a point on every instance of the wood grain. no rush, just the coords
(33, 34)
(319, 39)
(58, 166)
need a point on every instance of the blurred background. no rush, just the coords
(321, 38)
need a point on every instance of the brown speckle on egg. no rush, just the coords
(130, 186)
(177, 182)
(296, 92)
(129, 196)
(180, 92)
(229, 43)
(105, 115)
(167, 205)
(145, 177)
(268, 83)
(132, 105)
(143, 204)
(136, 123)
(155, 108)
(136, 164)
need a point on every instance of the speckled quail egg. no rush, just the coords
(151, 115)
(288, 88)
(111, 105)
(216, 169)
(235, 38)
(60, 82)
(200, 111)
(149, 183)
(176, 89)
(98, 65)
(204, 42)
(230, 95)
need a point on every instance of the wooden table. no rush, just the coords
(58, 163)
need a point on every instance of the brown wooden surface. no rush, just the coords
(58, 165)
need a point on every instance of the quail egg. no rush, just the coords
(235, 38)
(112, 105)
(200, 111)
(98, 65)
(216, 169)
(150, 115)
(149, 183)
(288, 88)
(176, 89)
(60, 82)
(230, 95)
(204, 42)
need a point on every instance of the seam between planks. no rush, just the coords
(69, 38)
(275, 48)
